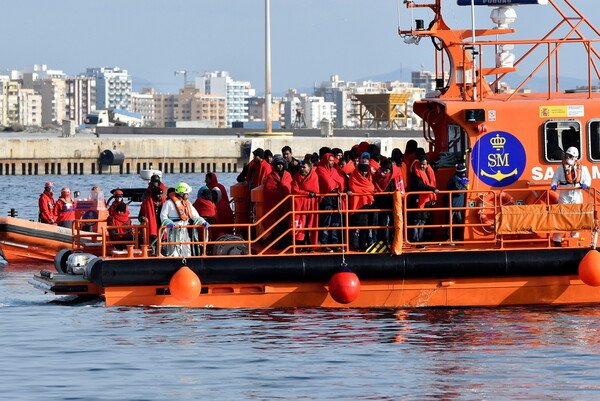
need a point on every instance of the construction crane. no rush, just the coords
(187, 84)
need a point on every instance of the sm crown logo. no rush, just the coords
(499, 158)
(498, 142)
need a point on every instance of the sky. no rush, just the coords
(310, 39)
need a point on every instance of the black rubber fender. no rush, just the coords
(60, 260)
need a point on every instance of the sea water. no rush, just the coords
(90, 352)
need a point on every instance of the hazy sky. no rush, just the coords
(311, 39)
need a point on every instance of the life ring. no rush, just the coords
(539, 198)
(486, 217)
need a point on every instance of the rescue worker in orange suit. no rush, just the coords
(150, 212)
(64, 209)
(178, 212)
(119, 219)
(573, 178)
(46, 205)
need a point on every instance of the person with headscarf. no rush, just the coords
(224, 212)
(330, 182)
(306, 184)
(361, 185)
(422, 179)
(277, 185)
(205, 206)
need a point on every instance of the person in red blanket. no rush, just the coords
(46, 205)
(205, 206)
(306, 183)
(155, 181)
(277, 185)
(331, 181)
(389, 178)
(224, 213)
(362, 188)
(258, 169)
(118, 198)
(64, 209)
(118, 220)
(150, 212)
(422, 179)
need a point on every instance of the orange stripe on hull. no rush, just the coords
(394, 293)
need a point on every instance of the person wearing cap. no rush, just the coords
(46, 205)
(422, 180)
(64, 209)
(258, 169)
(150, 212)
(277, 185)
(458, 182)
(178, 212)
(118, 198)
(120, 225)
(571, 178)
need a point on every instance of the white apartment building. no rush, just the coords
(30, 108)
(317, 109)
(81, 98)
(236, 93)
(113, 87)
(143, 104)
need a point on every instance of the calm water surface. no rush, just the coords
(89, 352)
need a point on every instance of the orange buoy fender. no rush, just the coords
(185, 285)
(589, 268)
(344, 286)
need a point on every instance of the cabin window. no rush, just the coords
(594, 140)
(456, 139)
(560, 135)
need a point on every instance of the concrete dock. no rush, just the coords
(125, 150)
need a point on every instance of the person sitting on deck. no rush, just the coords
(118, 220)
(46, 205)
(64, 209)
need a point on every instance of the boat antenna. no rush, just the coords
(474, 51)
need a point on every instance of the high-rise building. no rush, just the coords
(113, 87)
(81, 97)
(236, 93)
(10, 102)
(30, 108)
(143, 104)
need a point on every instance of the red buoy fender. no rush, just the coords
(185, 285)
(344, 286)
(589, 268)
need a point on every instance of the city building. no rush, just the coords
(81, 98)
(189, 105)
(113, 87)
(10, 103)
(30, 108)
(236, 93)
(143, 104)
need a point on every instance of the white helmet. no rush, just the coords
(573, 152)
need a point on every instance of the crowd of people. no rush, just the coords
(362, 173)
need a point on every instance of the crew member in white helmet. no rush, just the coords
(177, 212)
(571, 176)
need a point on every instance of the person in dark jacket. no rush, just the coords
(458, 182)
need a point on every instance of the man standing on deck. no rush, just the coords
(46, 204)
(178, 212)
(570, 175)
